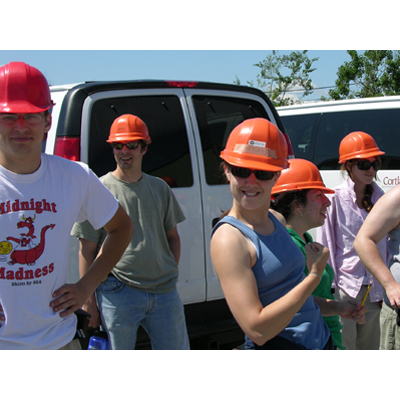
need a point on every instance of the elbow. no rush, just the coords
(260, 339)
(128, 228)
(260, 336)
(126, 231)
(359, 244)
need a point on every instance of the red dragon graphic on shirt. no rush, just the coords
(28, 255)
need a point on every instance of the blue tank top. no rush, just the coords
(279, 268)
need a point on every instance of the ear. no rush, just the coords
(296, 206)
(226, 172)
(349, 168)
(47, 125)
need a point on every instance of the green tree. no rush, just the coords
(282, 73)
(373, 73)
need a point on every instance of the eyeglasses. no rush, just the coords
(365, 165)
(30, 119)
(240, 172)
(129, 146)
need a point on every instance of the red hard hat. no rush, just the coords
(256, 144)
(301, 174)
(358, 145)
(128, 128)
(23, 89)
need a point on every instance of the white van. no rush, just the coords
(189, 123)
(316, 130)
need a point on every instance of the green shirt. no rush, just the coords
(323, 289)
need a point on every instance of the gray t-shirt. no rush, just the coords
(148, 263)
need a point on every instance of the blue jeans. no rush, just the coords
(123, 309)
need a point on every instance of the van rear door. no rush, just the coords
(171, 156)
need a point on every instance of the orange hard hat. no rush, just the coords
(23, 89)
(128, 128)
(256, 144)
(358, 145)
(301, 174)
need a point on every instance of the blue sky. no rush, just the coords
(72, 66)
(214, 40)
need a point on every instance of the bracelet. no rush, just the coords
(314, 273)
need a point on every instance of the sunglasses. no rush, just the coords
(129, 146)
(31, 119)
(365, 165)
(240, 172)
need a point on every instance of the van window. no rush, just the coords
(302, 130)
(216, 117)
(168, 154)
(323, 148)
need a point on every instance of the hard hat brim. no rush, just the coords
(361, 154)
(251, 162)
(295, 187)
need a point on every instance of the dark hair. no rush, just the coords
(369, 190)
(143, 144)
(282, 202)
(366, 200)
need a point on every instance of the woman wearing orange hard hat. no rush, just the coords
(300, 196)
(351, 203)
(258, 264)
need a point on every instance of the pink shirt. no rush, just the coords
(344, 219)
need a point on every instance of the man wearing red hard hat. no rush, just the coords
(41, 197)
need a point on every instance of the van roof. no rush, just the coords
(72, 96)
(341, 105)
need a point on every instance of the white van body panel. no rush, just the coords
(57, 95)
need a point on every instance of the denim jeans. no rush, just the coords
(124, 308)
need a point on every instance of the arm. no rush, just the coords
(70, 297)
(174, 242)
(326, 234)
(233, 257)
(384, 217)
(2, 317)
(346, 309)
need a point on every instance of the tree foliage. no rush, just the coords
(373, 73)
(282, 73)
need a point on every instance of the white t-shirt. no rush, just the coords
(37, 212)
